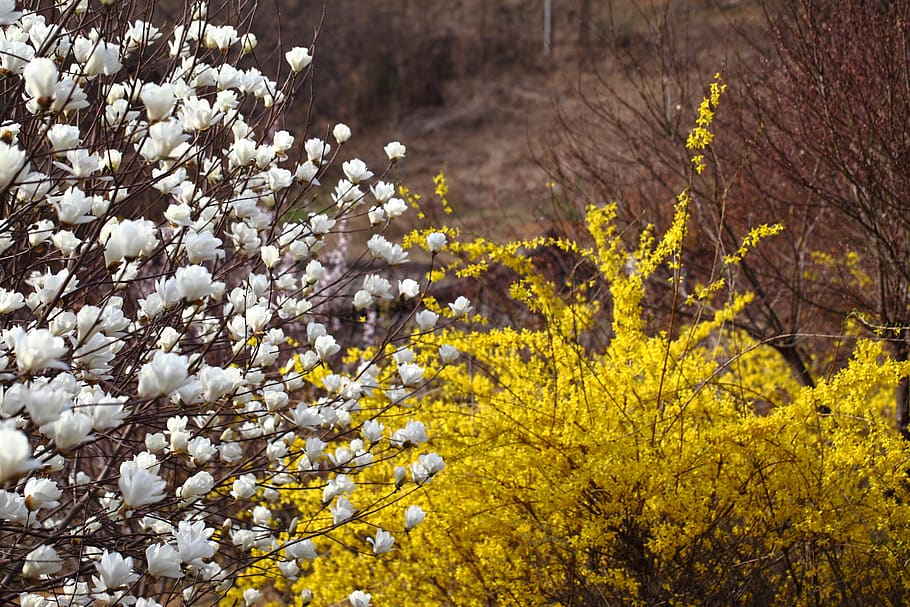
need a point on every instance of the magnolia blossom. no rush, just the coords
(196, 486)
(70, 430)
(41, 77)
(461, 306)
(8, 12)
(382, 542)
(408, 288)
(10, 301)
(410, 374)
(341, 132)
(413, 516)
(115, 572)
(426, 319)
(356, 170)
(413, 433)
(163, 375)
(43, 560)
(193, 542)
(300, 550)
(244, 486)
(325, 346)
(359, 598)
(159, 101)
(341, 510)
(163, 561)
(155, 310)
(41, 493)
(140, 487)
(128, 239)
(12, 162)
(298, 58)
(36, 349)
(395, 151)
(436, 241)
(448, 354)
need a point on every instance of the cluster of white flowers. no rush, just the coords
(165, 303)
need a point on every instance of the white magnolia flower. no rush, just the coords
(306, 173)
(426, 319)
(193, 542)
(395, 207)
(448, 354)
(220, 37)
(115, 572)
(159, 101)
(426, 466)
(36, 349)
(8, 12)
(248, 42)
(97, 56)
(194, 283)
(41, 493)
(14, 54)
(197, 114)
(73, 206)
(140, 34)
(111, 159)
(382, 542)
(413, 433)
(217, 382)
(270, 256)
(461, 306)
(40, 232)
(43, 560)
(63, 138)
(408, 288)
(359, 598)
(82, 163)
(244, 486)
(139, 486)
(196, 486)
(395, 151)
(69, 431)
(250, 596)
(12, 163)
(10, 301)
(413, 516)
(201, 450)
(163, 561)
(341, 132)
(166, 373)
(325, 346)
(66, 242)
(298, 58)
(411, 374)
(128, 239)
(41, 77)
(316, 150)
(356, 170)
(372, 431)
(342, 510)
(300, 550)
(200, 246)
(436, 241)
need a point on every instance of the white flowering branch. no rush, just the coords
(165, 362)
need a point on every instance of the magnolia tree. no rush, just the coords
(171, 273)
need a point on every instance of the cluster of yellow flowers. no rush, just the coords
(595, 459)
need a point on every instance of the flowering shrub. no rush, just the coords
(594, 458)
(172, 278)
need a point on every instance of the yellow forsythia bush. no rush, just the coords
(593, 459)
